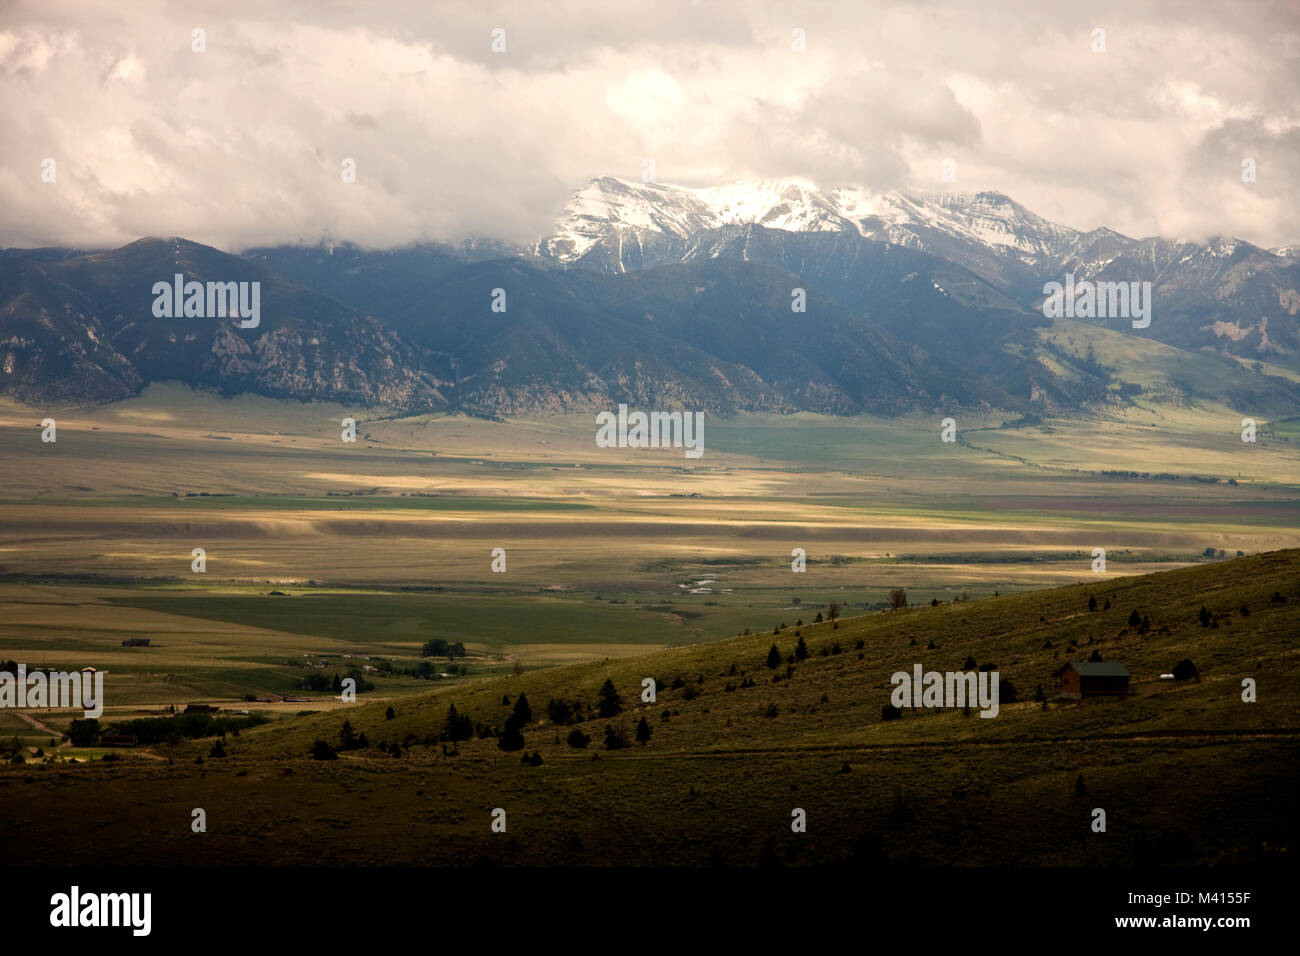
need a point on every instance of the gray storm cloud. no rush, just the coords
(244, 144)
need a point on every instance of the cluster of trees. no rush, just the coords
(1092, 604)
(441, 648)
(155, 730)
(427, 671)
(319, 682)
(1139, 621)
(350, 740)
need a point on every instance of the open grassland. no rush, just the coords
(1188, 772)
(315, 547)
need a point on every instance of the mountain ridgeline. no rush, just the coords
(759, 296)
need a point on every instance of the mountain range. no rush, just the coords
(664, 296)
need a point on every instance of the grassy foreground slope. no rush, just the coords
(1187, 773)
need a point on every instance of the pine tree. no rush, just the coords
(511, 739)
(642, 732)
(523, 713)
(801, 651)
(390, 714)
(1092, 603)
(773, 657)
(610, 702)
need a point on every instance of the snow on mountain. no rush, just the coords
(607, 207)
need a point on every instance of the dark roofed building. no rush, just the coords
(1093, 679)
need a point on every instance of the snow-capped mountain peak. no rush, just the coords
(621, 210)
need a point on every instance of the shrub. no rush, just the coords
(614, 739)
(321, 750)
(389, 714)
(897, 598)
(890, 712)
(511, 739)
(577, 739)
(642, 732)
(558, 711)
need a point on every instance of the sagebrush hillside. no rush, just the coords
(1187, 772)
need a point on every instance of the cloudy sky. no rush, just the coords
(243, 144)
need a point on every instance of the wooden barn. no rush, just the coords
(1079, 679)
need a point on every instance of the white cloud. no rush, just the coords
(242, 145)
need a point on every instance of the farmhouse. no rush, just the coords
(1079, 679)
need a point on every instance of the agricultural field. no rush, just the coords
(313, 547)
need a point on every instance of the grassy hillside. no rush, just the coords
(1187, 773)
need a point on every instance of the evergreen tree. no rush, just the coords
(773, 657)
(389, 714)
(642, 732)
(337, 685)
(523, 714)
(511, 739)
(1134, 619)
(458, 726)
(1092, 603)
(610, 702)
(801, 651)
